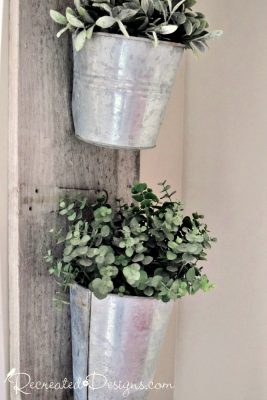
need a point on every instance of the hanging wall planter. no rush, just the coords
(119, 339)
(125, 268)
(120, 89)
(122, 81)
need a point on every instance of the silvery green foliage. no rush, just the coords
(147, 248)
(172, 20)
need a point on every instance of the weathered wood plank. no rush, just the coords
(45, 158)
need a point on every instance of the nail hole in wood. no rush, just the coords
(30, 208)
(36, 191)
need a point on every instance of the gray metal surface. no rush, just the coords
(121, 88)
(122, 346)
(80, 327)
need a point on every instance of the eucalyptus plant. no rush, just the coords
(147, 248)
(172, 20)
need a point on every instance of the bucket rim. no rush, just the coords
(113, 146)
(144, 298)
(136, 38)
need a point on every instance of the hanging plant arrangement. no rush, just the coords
(147, 248)
(125, 267)
(126, 54)
(164, 20)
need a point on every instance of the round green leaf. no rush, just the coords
(171, 256)
(129, 252)
(132, 273)
(149, 292)
(147, 260)
(105, 231)
(191, 274)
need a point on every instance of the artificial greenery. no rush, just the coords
(147, 248)
(172, 20)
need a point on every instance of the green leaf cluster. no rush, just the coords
(167, 20)
(146, 248)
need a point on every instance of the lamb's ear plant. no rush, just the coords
(172, 20)
(147, 248)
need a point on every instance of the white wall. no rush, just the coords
(221, 343)
(221, 337)
(3, 197)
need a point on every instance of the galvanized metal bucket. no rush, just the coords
(115, 344)
(121, 87)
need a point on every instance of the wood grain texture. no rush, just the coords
(45, 158)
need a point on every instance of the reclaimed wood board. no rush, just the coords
(45, 160)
